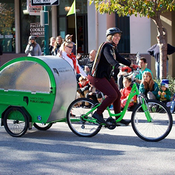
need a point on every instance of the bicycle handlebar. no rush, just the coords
(134, 70)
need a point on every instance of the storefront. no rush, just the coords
(17, 24)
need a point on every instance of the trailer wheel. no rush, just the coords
(42, 127)
(15, 121)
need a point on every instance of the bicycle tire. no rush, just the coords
(158, 128)
(76, 123)
(15, 121)
(41, 126)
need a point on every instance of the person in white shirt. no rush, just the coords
(66, 53)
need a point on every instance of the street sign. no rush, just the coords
(45, 2)
(33, 10)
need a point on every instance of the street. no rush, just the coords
(59, 151)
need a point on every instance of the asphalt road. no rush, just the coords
(60, 152)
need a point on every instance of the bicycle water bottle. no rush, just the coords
(172, 106)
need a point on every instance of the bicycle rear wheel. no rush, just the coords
(15, 121)
(81, 123)
(159, 126)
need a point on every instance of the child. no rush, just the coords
(148, 86)
(125, 93)
(83, 87)
(164, 93)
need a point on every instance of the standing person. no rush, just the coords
(106, 61)
(155, 52)
(32, 48)
(66, 53)
(69, 38)
(51, 45)
(143, 68)
(148, 86)
(89, 64)
(57, 45)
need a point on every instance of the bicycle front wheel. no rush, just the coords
(159, 126)
(80, 120)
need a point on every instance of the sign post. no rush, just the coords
(46, 28)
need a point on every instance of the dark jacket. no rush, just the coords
(107, 61)
(154, 51)
(50, 50)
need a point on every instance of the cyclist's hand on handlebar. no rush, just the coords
(126, 69)
(134, 66)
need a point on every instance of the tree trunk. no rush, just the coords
(162, 42)
(163, 59)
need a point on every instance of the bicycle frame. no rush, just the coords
(134, 91)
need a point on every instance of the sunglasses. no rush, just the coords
(70, 47)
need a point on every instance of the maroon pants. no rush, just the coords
(110, 89)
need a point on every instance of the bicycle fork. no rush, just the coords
(145, 108)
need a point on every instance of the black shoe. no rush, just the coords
(99, 118)
(123, 122)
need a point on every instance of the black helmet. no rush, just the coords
(112, 31)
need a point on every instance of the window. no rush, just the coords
(123, 24)
(7, 26)
(32, 22)
(25, 76)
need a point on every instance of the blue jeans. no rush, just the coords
(157, 67)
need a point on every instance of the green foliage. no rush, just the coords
(171, 84)
(148, 8)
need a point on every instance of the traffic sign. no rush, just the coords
(45, 2)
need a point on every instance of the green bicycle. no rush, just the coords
(151, 120)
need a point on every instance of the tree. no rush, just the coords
(7, 19)
(149, 8)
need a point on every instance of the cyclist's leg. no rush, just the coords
(116, 102)
(105, 86)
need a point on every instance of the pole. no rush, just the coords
(76, 28)
(46, 29)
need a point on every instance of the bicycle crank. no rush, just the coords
(110, 123)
